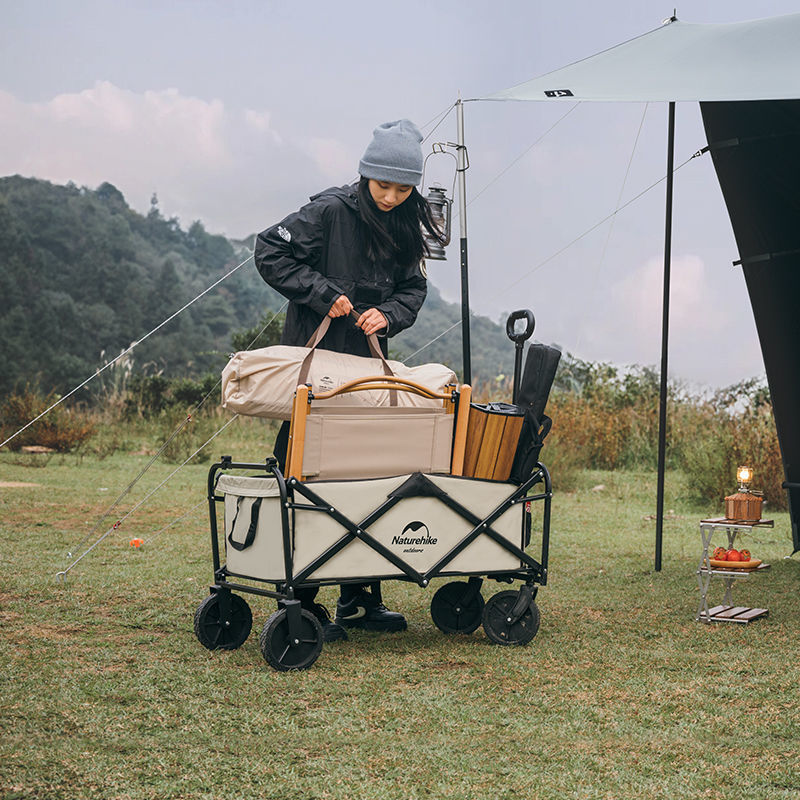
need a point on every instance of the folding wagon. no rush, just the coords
(374, 493)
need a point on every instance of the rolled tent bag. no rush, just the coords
(262, 382)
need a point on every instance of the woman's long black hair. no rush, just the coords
(396, 235)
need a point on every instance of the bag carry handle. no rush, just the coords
(251, 531)
(374, 347)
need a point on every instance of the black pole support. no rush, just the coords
(662, 402)
(466, 358)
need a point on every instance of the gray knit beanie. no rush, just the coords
(394, 154)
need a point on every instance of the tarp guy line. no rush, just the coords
(175, 521)
(599, 266)
(177, 430)
(124, 352)
(521, 155)
(62, 576)
(549, 258)
(595, 226)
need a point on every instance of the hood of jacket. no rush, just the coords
(347, 194)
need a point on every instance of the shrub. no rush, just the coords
(181, 438)
(188, 393)
(266, 332)
(63, 429)
(735, 427)
(149, 396)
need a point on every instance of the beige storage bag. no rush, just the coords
(262, 383)
(358, 442)
(253, 533)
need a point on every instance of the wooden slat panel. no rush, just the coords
(508, 448)
(753, 613)
(490, 445)
(475, 429)
(732, 612)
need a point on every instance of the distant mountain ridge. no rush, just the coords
(82, 274)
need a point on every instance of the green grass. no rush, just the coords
(107, 693)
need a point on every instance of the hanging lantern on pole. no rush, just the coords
(442, 212)
(438, 195)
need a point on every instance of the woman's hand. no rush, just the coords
(371, 321)
(341, 307)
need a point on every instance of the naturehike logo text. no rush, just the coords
(423, 537)
(559, 93)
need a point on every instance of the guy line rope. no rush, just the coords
(62, 575)
(441, 117)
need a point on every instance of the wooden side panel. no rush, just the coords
(508, 448)
(477, 425)
(297, 434)
(460, 436)
(490, 445)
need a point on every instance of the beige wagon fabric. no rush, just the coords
(354, 442)
(420, 530)
(264, 558)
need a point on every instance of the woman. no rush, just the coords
(354, 248)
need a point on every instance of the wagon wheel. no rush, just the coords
(281, 651)
(498, 612)
(451, 614)
(218, 634)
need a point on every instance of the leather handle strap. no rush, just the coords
(319, 333)
(312, 343)
(374, 347)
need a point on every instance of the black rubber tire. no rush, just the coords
(216, 636)
(278, 651)
(497, 627)
(450, 615)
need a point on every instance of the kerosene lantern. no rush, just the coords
(441, 208)
(745, 504)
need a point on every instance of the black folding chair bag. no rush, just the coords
(534, 390)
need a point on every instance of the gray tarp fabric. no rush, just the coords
(680, 61)
(721, 65)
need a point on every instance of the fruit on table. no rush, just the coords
(721, 554)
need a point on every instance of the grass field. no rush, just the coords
(107, 693)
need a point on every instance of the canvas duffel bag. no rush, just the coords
(262, 383)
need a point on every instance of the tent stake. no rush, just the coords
(662, 404)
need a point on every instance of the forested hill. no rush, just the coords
(82, 276)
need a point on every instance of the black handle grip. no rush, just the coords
(530, 324)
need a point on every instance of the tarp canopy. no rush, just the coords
(755, 147)
(680, 61)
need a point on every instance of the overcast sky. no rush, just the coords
(235, 112)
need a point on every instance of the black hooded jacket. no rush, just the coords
(317, 254)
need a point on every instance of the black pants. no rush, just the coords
(347, 591)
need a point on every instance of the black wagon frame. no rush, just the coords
(292, 636)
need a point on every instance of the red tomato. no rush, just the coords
(733, 555)
(719, 554)
(745, 555)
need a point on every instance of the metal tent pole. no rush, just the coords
(662, 403)
(462, 219)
